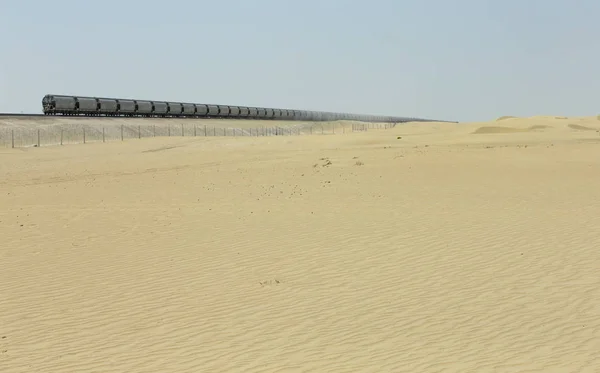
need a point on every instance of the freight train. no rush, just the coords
(101, 106)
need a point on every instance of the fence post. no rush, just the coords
(194, 129)
(154, 130)
(84, 135)
(139, 131)
(214, 131)
(205, 130)
(121, 132)
(12, 138)
(38, 137)
(169, 130)
(182, 130)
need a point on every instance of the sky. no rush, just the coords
(461, 60)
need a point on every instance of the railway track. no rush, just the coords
(20, 115)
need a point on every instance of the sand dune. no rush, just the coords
(582, 128)
(501, 129)
(425, 248)
(505, 117)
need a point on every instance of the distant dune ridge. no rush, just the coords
(581, 128)
(500, 129)
(430, 247)
(536, 123)
(506, 117)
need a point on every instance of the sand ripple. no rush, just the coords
(285, 255)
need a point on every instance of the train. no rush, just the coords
(56, 104)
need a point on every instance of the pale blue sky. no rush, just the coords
(464, 60)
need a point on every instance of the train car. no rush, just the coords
(107, 106)
(143, 107)
(244, 112)
(188, 110)
(126, 106)
(160, 108)
(213, 110)
(87, 105)
(175, 108)
(270, 113)
(261, 113)
(276, 114)
(223, 111)
(201, 110)
(47, 105)
(253, 112)
(59, 104)
(234, 111)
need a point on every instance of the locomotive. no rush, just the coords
(54, 104)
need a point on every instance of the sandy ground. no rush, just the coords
(424, 248)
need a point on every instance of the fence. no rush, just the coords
(20, 137)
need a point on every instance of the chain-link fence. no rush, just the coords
(18, 137)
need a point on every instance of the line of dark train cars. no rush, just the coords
(100, 106)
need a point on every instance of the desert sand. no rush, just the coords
(430, 247)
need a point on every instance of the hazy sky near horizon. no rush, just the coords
(464, 60)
